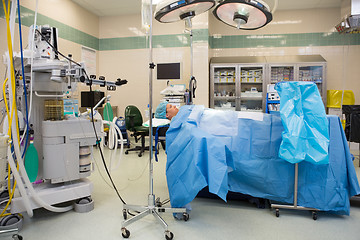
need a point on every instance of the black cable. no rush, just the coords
(92, 119)
(102, 155)
(92, 115)
(56, 51)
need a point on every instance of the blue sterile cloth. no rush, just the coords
(247, 161)
(306, 135)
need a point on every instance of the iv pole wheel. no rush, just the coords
(158, 202)
(186, 216)
(314, 215)
(169, 235)
(125, 214)
(125, 233)
(277, 212)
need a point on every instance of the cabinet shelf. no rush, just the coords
(252, 98)
(251, 110)
(251, 82)
(224, 98)
(224, 82)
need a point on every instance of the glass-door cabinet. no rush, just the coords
(242, 83)
(237, 83)
(314, 72)
(252, 95)
(281, 72)
(224, 89)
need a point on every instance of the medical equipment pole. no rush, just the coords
(294, 206)
(151, 208)
(151, 67)
(192, 82)
(192, 53)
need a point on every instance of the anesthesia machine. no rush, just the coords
(53, 152)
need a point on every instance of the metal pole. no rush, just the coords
(151, 66)
(296, 184)
(192, 53)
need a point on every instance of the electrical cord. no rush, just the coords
(56, 51)
(101, 153)
(142, 173)
(92, 119)
(24, 82)
(13, 105)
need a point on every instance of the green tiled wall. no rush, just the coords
(159, 41)
(183, 40)
(284, 40)
(65, 31)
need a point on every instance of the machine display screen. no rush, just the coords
(168, 71)
(90, 99)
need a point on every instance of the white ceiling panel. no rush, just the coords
(111, 7)
(305, 4)
(125, 7)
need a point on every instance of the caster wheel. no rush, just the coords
(169, 235)
(277, 212)
(126, 152)
(158, 202)
(314, 215)
(140, 154)
(84, 200)
(84, 205)
(186, 216)
(17, 237)
(9, 220)
(4, 194)
(125, 233)
(125, 214)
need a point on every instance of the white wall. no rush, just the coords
(64, 11)
(342, 61)
(133, 65)
(343, 70)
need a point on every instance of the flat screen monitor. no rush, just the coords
(90, 99)
(168, 71)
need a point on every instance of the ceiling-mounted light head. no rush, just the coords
(243, 14)
(240, 19)
(174, 10)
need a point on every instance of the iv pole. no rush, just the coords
(151, 208)
(192, 82)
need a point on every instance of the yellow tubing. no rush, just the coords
(14, 108)
(11, 193)
(9, 131)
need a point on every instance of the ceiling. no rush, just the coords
(125, 7)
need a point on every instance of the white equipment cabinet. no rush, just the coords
(240, 83)
(310, 68)
(237, 83)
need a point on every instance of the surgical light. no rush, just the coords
(243, 14)
(174, 10)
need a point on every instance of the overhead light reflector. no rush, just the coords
(172, 10)
(243, 14)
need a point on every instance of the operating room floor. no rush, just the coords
(209, 218)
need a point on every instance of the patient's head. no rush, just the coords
(171, 111)
(166, 110)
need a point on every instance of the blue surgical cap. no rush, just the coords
(161, 110)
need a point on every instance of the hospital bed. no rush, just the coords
(230, 151)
